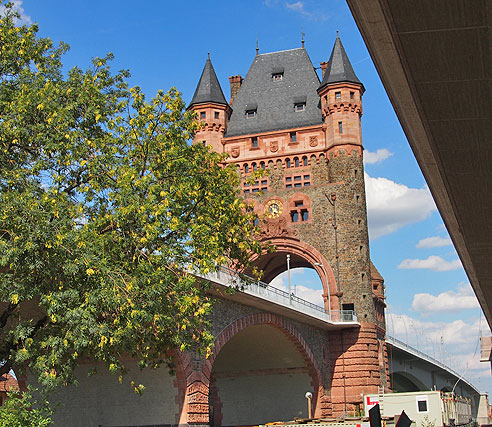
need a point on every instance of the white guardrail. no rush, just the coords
(248, 285)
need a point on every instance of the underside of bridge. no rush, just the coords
(258, 368)
(434, 59)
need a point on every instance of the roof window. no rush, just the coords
(277, 73)
(251, 109)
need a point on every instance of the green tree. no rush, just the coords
(106, 213)
(20, 410)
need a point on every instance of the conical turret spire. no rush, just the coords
(339, 68)
(208, 89)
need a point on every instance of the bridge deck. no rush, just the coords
(258, 294)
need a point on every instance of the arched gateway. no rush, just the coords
(305, 133)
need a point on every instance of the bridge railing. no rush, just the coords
(252, 286)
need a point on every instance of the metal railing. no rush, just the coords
(251, 286)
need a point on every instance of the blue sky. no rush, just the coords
(165, 44)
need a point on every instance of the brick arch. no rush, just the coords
(312, 257)
(292, 335)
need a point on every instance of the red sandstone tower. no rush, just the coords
(307, 135)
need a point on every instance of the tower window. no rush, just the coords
(262, 165)
(203, 115)
(276, 77)
(293, 137)
(287, 163)
(340, 127)
(246, 168)
(250, 114)
(254, 142)
(338, 95)
(301, 106)
(296, 162)
(352, 95)
(305, 161)
(298, 181)
(294, 216)
(216, 114)
(304, 215)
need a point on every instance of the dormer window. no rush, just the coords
(277, 74)
(254, 142)
(251, 110)
(299, 103)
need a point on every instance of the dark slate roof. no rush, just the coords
(275, 99)
(339, 67)
(208, 89)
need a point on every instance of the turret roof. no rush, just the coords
(275, 83)
(208, 88)
(339, 68)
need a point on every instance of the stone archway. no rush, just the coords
(404, 381)
(265, 354)
(199, 388)
(302, 255)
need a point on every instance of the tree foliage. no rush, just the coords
(106, 213)
(21, 410)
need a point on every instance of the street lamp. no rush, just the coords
(309, 396)
(327, 285)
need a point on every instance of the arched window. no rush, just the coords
(246, 168)
(287, 163)
(253, 165)
(305, 161)
(296, 162)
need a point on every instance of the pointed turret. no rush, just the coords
(339, 68)
(211, 107)
(208, 89)
(341, 102)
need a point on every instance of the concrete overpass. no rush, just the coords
(435, 61)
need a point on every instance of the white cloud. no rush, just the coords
(391, 206)
(298, 6)
(434, 263)
(377, 157)
(434, 242)
(24, 19)
(462, 299)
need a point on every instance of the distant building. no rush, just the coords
(7, 383)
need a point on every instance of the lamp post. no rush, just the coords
(309, 396)
(288, 277)
(327, 285)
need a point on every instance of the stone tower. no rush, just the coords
(307, 135)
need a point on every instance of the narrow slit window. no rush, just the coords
(305, 215)
(296, 162)
(340, 127)
(287, 163)
(305, 161)
(246, 168)
(216, 114)
(294, 216)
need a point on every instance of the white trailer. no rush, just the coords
(425, 408)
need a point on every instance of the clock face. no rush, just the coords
(273, 208)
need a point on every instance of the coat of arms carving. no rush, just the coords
(313, 141)
(274, 146)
